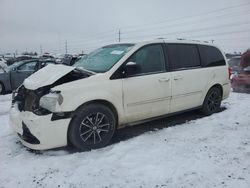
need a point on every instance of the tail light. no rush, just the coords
(229, 72)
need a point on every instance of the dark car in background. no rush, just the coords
(240, 80)
(13, 76)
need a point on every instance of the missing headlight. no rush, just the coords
(50, 100)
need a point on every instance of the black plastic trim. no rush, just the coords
(61, 115)
(27, 136)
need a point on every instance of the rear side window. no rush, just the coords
(183, 56)
(211, 56)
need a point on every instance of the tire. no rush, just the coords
(2, 90)
(92, 127)
(212, 101)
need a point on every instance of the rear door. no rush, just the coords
(22, 72)
(147, 93)
(188, 78)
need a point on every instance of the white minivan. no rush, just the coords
(117, 85)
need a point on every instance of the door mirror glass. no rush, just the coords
(131, 68)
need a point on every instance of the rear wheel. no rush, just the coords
(93, 127)
(212, 101)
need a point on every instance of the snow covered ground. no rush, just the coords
(206, 152)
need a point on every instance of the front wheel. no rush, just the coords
(212, 101)
(92, 127)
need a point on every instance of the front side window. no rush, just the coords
(30, 66)
(149, 59)
(102, 59)
(183, 56)
(211, 56)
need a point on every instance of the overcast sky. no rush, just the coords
(36, 25)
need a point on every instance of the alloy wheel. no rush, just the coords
(214, 101)
(94, 128)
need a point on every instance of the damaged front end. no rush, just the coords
(42, 101)
(33, 115)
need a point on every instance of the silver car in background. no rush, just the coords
(13, 76)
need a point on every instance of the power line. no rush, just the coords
(107, 33)
(192, 30)
(170, 33)
(185, 17)
(181, 24)
(104, 35)
(119, 36)
(224, 33)
(66, 47)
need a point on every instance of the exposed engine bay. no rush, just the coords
(28, 100)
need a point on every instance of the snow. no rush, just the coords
(209, 151)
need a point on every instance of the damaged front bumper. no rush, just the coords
(39, 132)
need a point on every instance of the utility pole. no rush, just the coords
(66, 47)
(119, 35)
(41, 49)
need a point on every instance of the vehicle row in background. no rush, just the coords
(66, 59)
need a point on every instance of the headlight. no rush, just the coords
(50, 100)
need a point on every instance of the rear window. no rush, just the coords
(234, 62)
(211, 56)
(183, 56)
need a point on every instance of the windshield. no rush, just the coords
(102, 59)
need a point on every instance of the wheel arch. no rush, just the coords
(97, 101)
(216, 85)
(219, 86)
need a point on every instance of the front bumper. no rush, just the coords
(39, 132)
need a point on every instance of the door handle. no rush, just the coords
(177, 77)
(164, 79)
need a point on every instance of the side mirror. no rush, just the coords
(14, 69)
(131, 68)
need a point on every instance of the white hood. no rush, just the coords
(46, 76)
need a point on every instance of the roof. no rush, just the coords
(159, 40)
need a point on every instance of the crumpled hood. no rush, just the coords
(46, 76)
